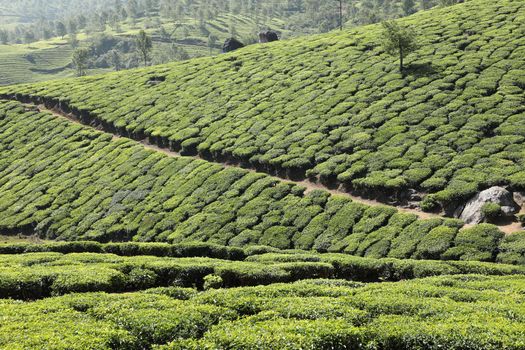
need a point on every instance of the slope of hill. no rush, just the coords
(234, 264)
(63, 181)
(35, 62)
(180, 29)
(336, 109)
(51, 59)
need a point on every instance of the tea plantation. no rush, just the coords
(61, 180)
(161, 311)
(336, 108)
(133, 246)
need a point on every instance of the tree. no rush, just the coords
(116, 61)
(408, 7)
(4, 36)
(164, 35)
(72, 26)
(82, 21)
(212, 41)
(445, 3)
(80, 60)
(29, 36)
(425, 4)
(144, 45)
(398, 40)
(61, 29)
(73, 41)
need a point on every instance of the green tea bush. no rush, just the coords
(39, 275)
(212, 282)
(477, 243)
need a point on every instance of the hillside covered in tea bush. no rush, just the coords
(143, 213)
(65, 181)
(335, 108)
(37, 38)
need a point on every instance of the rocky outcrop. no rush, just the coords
(472, 213)
(231, 44)
(519, 198)
(268, 36)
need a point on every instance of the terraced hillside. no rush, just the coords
(50, 59)
(64, 181)
(336, 109)
(36, 62)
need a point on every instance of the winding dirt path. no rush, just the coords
(309, 185)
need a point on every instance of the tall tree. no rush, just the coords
(4, 36)
(212, 41)
(398, 40)
(72, 26)
(80, 60)
(144, 46)
(408, 7)
(116, 60)
(61, 29)
(73, 41)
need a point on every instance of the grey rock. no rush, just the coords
(471, 213)
(268, 36)
(413, 195)
(519, 198)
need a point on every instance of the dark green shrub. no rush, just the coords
(435, 243)
(521, 219)
(139, 278)
(429, 203)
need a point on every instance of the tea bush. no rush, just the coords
(40, 275)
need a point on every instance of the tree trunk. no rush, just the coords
(401, 60)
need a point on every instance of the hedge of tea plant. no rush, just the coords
(65, 181)
(336, 108)
(31, 276)
(447, 312)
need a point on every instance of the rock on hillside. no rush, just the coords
(231, 44)
(472, 212)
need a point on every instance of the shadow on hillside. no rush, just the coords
(420, 69)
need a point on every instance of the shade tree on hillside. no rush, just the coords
(144, 46)
(80, 61)
(61, 30)
(4, 37)
(399, 40)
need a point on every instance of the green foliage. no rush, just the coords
(477, 243)
(80, 59)
(452, 312)
(398, 40)
(212, 282)
(84, 185)
(40, 275)
(339, 112)
(491, 210)
(144, 45)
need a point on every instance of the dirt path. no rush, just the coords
(309, 185)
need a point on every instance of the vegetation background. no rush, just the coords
(37, 38)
